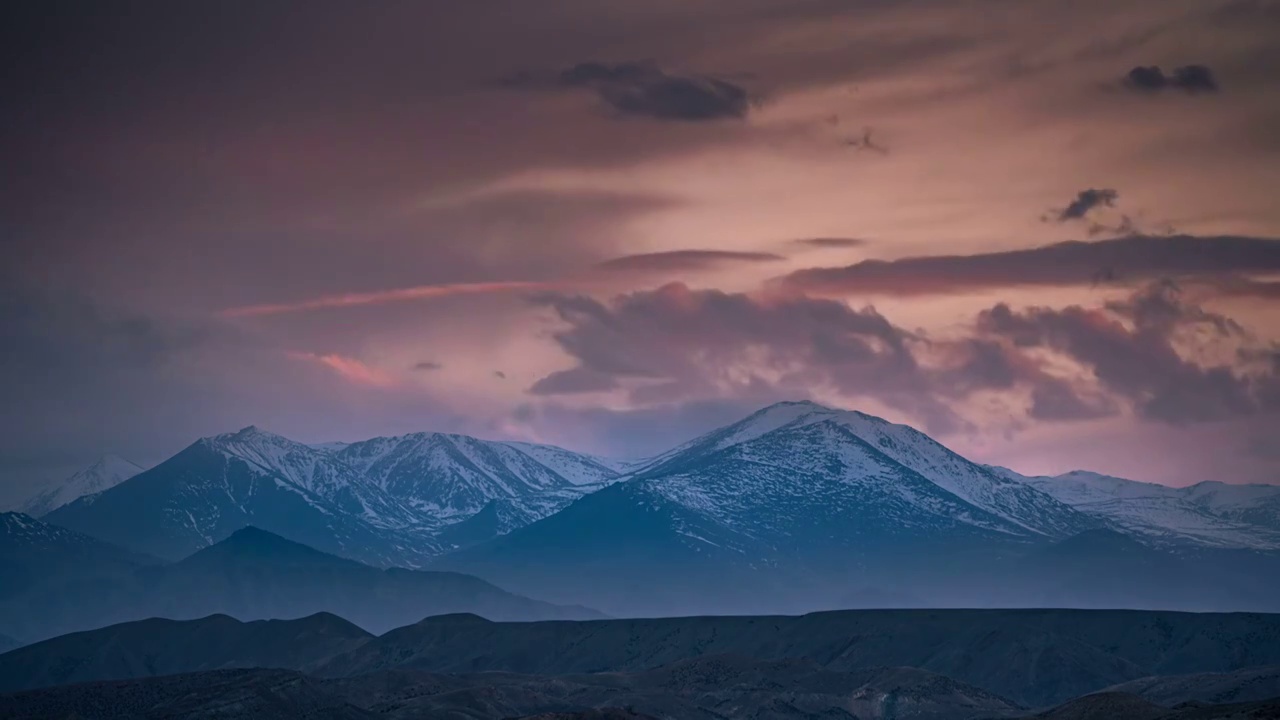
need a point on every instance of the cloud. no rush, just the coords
(575, 380)
(427, 366)
(348, 368)
(1087, 200)
(1134, 349)
(499, 375)
(685, 260)
(376, 297)
(1169, 360)
(1136, 258)
(831, 242)
(676, 344)
(1188, 78)
(644, 90)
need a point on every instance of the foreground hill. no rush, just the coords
(1248, 685)
(1118, 706)
(253, 575)
(711, 688)
(1031, 657)
(1034, 657)
(163, 647)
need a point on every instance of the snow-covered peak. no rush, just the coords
(975, 484)
(1210, 513)
(106, 473)
(23, 531)
(1227, 496)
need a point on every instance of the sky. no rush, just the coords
(1045, 233)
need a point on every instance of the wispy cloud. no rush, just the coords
(350, 369)
(677, 260)
(1134, 258)
(377, 297)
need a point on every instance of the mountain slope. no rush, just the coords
(1248, 685)
(104, 474)
(452, 477)
(35, 554)
(1211, 514)
(318, 472)
(248, 694)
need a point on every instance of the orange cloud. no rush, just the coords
(349, 368)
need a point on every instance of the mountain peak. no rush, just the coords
(254, 542)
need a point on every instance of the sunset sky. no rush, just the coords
(612, 225)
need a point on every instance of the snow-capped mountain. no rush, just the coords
(798, 490)
(107, 472)
(1212, 514)
(999, 501)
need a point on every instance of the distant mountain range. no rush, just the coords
(384, 501)
(252, 574)
(797, 507)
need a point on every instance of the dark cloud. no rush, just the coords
(1087, 200)
(644, 90)
(1133, 350)
(574, 380)
(1135, 258)
(499, 374)
(685, 260)
(1188, 78)
(831, 242)
(678, 344)
(675, 345)
(428, 365)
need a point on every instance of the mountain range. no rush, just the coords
(797, 507)
(384, 501)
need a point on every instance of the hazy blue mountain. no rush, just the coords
(253, 575)
(107, 472)
(35, 554)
